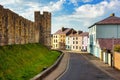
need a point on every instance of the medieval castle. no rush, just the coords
(15, 29)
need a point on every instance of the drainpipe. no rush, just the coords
(113, 52)
(117, 30)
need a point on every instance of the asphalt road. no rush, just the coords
(80, 68)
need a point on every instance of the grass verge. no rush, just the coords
(22, 62)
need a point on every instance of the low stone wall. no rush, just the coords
(46, 72)
(117, 60)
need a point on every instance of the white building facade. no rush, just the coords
(77, 42)
(104, 29)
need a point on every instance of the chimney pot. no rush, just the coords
(62, 29)
(113, 14)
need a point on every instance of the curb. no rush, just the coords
(46, 72)
(67, 67)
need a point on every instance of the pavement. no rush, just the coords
(61, 69)
(114, 73)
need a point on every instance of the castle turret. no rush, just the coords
(37, 25)
(43, 23)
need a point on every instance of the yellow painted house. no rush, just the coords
(59, 37)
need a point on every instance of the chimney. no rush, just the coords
(72, 31)
(113, 14)
(63, 29)
(78, 32)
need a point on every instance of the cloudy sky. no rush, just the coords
(77, 14)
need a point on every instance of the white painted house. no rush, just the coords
(105, 29)
(77, 41)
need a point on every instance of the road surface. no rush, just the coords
(79, 68)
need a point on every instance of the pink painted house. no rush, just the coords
(84, 36)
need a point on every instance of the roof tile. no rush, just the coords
(108, 43)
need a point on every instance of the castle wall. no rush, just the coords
(3, 26)
(15, 29)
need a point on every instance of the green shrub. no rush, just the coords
(117, 48)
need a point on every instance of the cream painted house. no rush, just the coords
(59, 38)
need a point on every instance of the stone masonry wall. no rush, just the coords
(15, 29)
(43, 23)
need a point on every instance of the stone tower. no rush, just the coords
(43, 27)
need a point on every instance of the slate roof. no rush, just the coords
(84, 34)
(66, 31)
(80, 34)
(108, 43)
(75, 33)
(63, 32)
(111, 20)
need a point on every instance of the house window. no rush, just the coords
(76, 47)
(56, 41)
(56, 45)
(68, 46)
(76, 38)
(82, 42)
(73, 38)
(82, 47)
(73, 47)
(79, 47)
(56, 36)
(76, 42)
(73, 42)
(68, 38)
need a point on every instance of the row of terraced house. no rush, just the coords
(103, 36)
(70, 39)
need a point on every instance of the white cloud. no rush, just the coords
(93, 12)
(87, 0)
(4, 2)
(75, 2)
(54, 6)
(88, 14)
(27, 8)
(51, 7)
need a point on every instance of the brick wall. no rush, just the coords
(117, 60)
